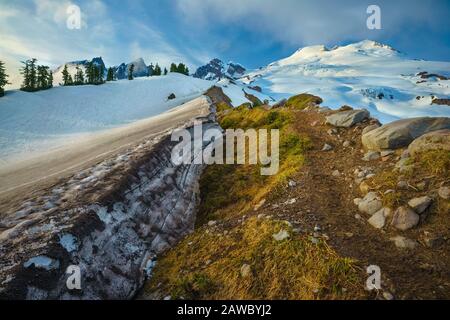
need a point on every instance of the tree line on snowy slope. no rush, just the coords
(39, 77)
(3, 79)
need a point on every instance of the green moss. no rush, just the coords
(302, 101)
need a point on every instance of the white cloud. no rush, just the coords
(310, 22)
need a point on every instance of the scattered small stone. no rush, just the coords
(444, 193)
(405, 219)
(371, 156)
(378, 220)
(370, 204)
(317, 228)
(336, 173)
(358, 216)
(212, 223)
(259, 205)
(327, 147)
(432, 241)
(346, 144)
(291, 201)
(419, 205)
(280, 236)
(421, 186)
(261, 216)
(388, 296)
(404, 243)
(389, 191)
(332, 132)
(292, 183)
(314, 240)
(245, 270)
(386, 153)
(348, 235)
(402, 185)
(168, 298)
(357, 201)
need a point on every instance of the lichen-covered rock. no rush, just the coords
(435, 140)
(348, 118)
(401, 133)
(405, 219)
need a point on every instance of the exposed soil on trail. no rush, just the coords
(325, 201)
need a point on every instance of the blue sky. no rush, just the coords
(251, 32)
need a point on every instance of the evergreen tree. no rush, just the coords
(33, 74)
(130, 72)
(42, 77)
(110, 75)
(173, 68)
(151, 70)
(25, 72)
(50, 79)
(165, 71)
(100, 72)
(79, 77)
(181, 68)
(157, 71)
(3, 79)
(29, 73)
(90, 73)
(67, 78)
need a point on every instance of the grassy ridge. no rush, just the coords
(209, 263)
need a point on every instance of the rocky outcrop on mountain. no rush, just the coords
(401, 133)
(217, 70)
(110, 221)
(140, 69)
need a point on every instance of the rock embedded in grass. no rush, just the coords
(444, 192)
(370, 204)
(404, 243)
(282, 235)
(419, 205)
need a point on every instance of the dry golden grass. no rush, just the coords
(290, 269)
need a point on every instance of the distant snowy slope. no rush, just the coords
(30, 120)
(364, 74)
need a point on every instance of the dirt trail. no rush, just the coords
(32, 175)
(326, 201)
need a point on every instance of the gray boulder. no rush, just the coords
(401, 133)
(348, 118)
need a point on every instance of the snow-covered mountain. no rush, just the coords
(140, 69)
(364, 74)
(217, 70)
(72, 68)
